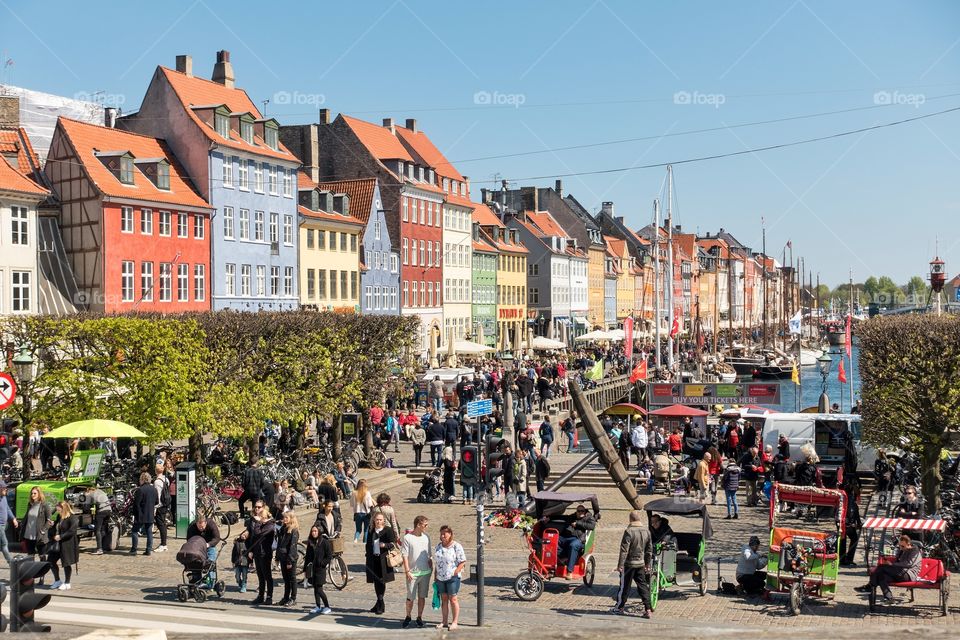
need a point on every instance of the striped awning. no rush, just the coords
(904, 523)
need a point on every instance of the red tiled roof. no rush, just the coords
(378, 140)
(359, 191)
(86, 139)
(15, 140)
(194, 92)
(617, 246)
(483, 245)
(508, 247)
(708, 243)
(13, 180)
(457, 199)
(327, 217)
(423, 147)
(484, 215)
(546, 223)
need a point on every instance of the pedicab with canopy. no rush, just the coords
(680, 552)
(933, 572)
(804, 563)
(543, 540)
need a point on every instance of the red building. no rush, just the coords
(134, 227)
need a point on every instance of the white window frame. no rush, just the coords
(274, 281)
(164, 224)
(146, 222)
(126, 219)
(183, 282)
(126, 281)
(272, 180)
(228, 172)
(246, 273)
(287, 183)
(166, 282)
(244, 224)
(199, 282)
(394, 263)
(288, 230)
(19, 226)
(261, 280)
(199, 226)
(288, 281)
(146, 281)
(183, 224)
(258, 177)
(243, 175)
(21, 290)
(230, 279)
(274, 227)
(258, 222)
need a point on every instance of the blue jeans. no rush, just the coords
(241, 572)
(138, 529)
(469, 492)
(732, 501)
(212, 557)
(362, 523)
(573, 547)
(4, 545)
(437, 404)
(570, 438)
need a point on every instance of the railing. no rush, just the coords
(607, 393)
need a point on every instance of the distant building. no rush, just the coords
(484, 294)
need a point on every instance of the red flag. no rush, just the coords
(849, 342)
(841, 373)
(639, 372)
(628, 337)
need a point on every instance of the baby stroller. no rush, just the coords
(197, 570)
(431, 488)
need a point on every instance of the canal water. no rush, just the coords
(813, 383)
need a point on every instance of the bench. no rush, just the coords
(933, 575)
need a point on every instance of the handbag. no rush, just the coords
(394, 558)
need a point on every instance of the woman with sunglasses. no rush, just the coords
(262, 531)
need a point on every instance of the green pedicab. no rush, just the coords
(681, 552)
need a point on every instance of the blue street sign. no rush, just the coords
(479, 408)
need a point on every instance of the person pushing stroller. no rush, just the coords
(208, 530)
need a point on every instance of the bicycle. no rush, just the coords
(337, 572)
(375, 460)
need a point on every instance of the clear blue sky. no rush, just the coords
(587, 72)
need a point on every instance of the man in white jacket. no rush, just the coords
(638, 442)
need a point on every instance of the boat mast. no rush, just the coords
(850, 345)
(656, 277)
(670, 310)
(763, 271)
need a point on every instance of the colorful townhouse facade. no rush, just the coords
(21, 192)
(329, 249)
(379, 260)
(484, 295)
(237, 163)
(511, 294)
(135, 229)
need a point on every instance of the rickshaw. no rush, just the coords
(543, 540)
(803, 562)
(680, 552)
(933, 573)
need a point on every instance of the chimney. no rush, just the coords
(388, 124)
(620, 219)
(324, 116)
(110, 117)
(466, 184)
(10, 111)
(223, 70)
(412, 124)
(558, 187)
(607, 208)
(484, 195)
(185, 65)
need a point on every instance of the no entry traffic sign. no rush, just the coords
(8, 390)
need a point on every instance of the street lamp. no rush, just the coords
(23, 364)
(824, 362)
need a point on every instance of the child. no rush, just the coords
(241, 559)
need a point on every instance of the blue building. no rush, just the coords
(380, 268)
(238, 165)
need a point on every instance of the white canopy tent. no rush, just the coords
(593, 336)
(541, 342)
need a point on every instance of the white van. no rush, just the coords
(825, 431)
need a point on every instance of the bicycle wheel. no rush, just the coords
(301, 560)
(655, 584)
(377, 459)
(337, 573)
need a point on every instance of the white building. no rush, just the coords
(579, 299)
(457, 267)
(19, 197)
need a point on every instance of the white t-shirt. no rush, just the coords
(417, 550)
(447, 559)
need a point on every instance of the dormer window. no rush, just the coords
(410, 171)
(446, 184)
(420, 174)
(163, 176)
(271, 135)
(221, 122)
(246, 130)
(157, 171)
(126, 169)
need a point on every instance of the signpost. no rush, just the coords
(477, 409)
(8, 390)
(350, 423)
(707, 394)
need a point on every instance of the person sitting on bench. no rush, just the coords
(904, 568)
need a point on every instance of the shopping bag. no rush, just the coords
(436, 596)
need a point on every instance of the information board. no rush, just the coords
(707, 394)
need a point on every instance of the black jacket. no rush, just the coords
(377, 567)
(321, 524)
(524, 386)
(238, 555)
(287, 546)
(66, 528)
(210, 533)
(145, 503)
(253, 482)
(435, 432)
(261, 537)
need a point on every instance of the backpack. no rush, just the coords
(165, 493)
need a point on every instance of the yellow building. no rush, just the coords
(595, 266)
(511, 278)
(626, 279)
(329, 250)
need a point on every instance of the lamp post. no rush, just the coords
(23, 365)
(824, 362)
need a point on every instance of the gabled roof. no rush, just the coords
(15, 140)
(378, 140)
(88, 139)
(484, 244)
(709, 243)
(360, 192)
(546, 223)
(305, 183)
(12, 180)
(422, 147)
(484, 215)
(196, 92)
(617, 246)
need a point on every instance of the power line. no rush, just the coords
(730, 154)
(691, 131)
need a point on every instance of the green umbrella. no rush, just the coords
(96, 429)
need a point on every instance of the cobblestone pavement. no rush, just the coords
(107, 584)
